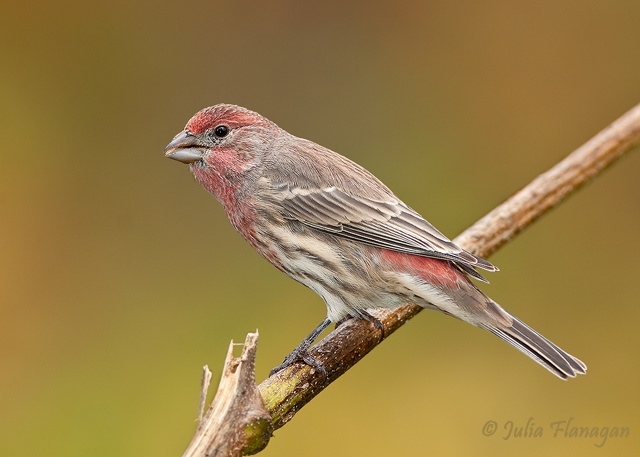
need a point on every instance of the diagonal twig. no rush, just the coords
(288, 391)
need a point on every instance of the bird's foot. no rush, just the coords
(377, 323)
(301, 355)
(343, 319)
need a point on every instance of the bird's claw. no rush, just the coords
(301, 356)
(377, 323)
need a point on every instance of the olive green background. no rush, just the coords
(120, 277)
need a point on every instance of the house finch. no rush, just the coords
(334, 227)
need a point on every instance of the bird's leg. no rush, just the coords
(301, 353)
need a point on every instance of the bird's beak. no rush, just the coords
(185, 147)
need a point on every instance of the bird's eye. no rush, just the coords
(221, 131)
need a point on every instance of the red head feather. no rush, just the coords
(230, 115)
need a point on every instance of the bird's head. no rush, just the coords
(222, 144)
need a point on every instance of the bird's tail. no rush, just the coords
(473, 306)
(540, 349)
(460, 298)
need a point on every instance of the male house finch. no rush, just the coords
(334, 227)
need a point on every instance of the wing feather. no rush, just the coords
(310, 184)
(388, 224)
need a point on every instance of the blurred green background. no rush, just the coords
(120, 277)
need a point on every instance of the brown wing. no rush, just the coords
(388, 223)
(310, 184)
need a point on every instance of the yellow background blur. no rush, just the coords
(120, 276)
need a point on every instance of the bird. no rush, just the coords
(331, 225)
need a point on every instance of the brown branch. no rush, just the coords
(204, 388)
(237, 422)
(286, 392)
(549, 189)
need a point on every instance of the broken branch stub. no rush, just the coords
(237, 422)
